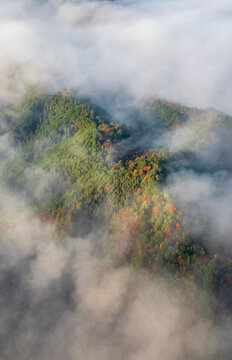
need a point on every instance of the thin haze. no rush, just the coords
(175, 49)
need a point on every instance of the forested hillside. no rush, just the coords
(83, 171)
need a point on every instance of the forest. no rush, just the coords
(99, 174)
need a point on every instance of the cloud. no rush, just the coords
(141, 48)
(63, 301)
(205, 201)
(200, 176)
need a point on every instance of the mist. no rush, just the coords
(138, 49)
(200, 176)
(62, 301)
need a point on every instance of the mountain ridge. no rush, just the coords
(73, 148)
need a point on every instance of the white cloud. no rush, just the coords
(174, 49)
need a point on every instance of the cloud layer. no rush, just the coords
(172, 49)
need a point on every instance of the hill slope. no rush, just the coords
(82, 171)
